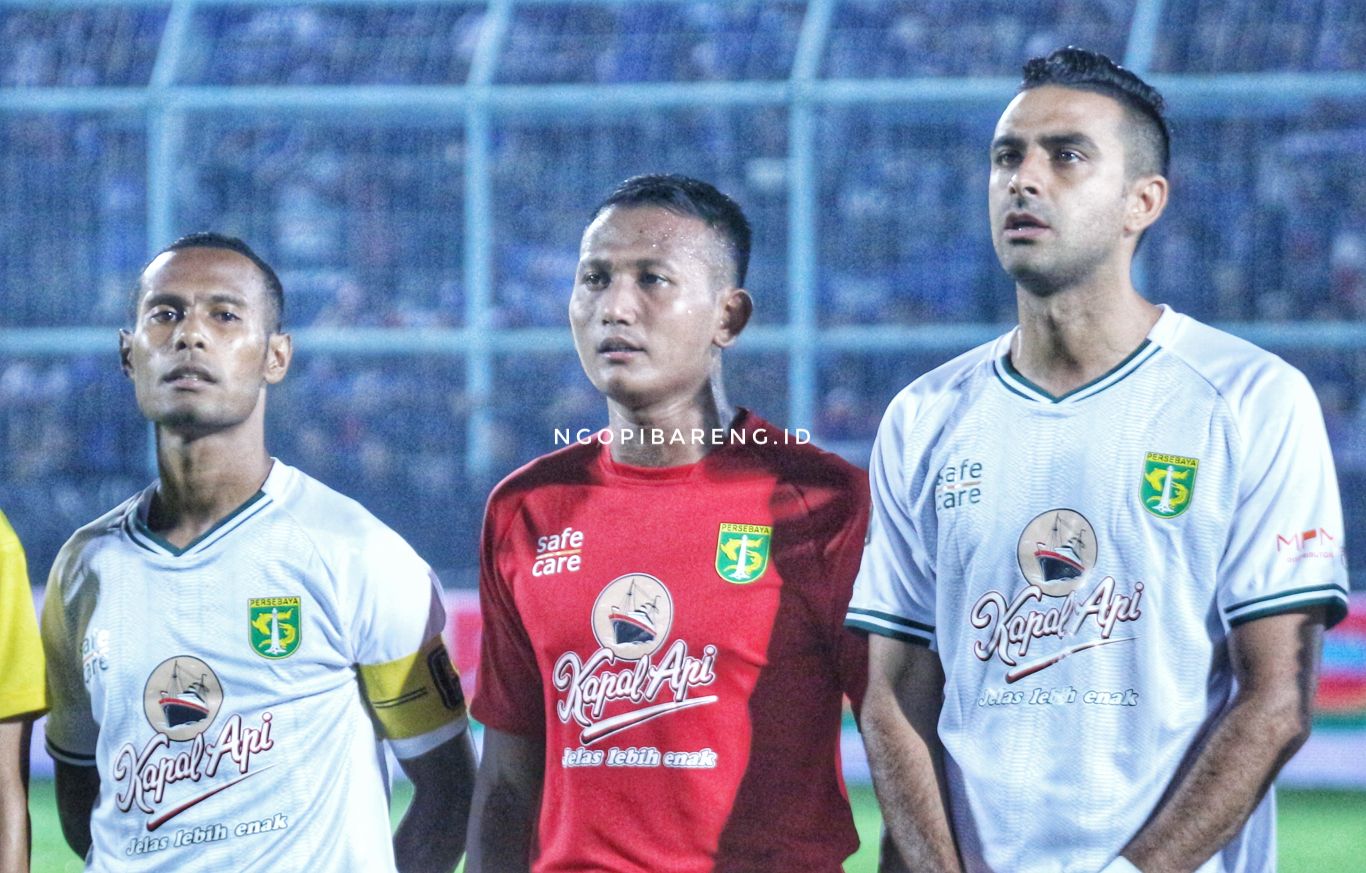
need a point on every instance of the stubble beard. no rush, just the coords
(1045, 274)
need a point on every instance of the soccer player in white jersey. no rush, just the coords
(227, 647)
(1103, 547)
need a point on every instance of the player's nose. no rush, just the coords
(619, 303)
(190, 332)
(1027, 178)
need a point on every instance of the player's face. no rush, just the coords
(649, 308)
(202, 351)
(1058, 193)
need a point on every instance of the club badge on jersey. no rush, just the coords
(273, 626)
(1168, 483)
(742, 552)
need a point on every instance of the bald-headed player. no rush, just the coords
(664, 659)
(227, 648)
(1103, 547)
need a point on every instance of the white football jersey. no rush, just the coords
(232, 692)
(1078, 563)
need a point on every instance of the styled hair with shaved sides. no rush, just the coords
(694, 198)
(1149, 140)
(207, 239)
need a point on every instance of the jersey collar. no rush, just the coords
(1017, 384)
(135, 523)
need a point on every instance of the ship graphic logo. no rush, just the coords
(634, 620)
(273, 626)
(1056, 551)
(742, 551)
(181, 698)
(632, 616)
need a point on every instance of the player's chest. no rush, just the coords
(1115, 483)
(635, 575)
(206, 631)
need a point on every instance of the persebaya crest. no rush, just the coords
(1168, 483)
(742, 552)
(273, 626)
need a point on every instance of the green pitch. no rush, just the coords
(1320, 831)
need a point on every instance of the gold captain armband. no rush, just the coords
(415, 695)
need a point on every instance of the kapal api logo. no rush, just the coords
(1057, 552)
(182, 697)
(631, 620)
(182, 700)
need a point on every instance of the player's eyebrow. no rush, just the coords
(1069, 138)
(1007, 140)
(171, 298)
(638, 264)
(1051, 141)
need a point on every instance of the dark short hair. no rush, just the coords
(1072, 67)
(208, 239)
(691, 197)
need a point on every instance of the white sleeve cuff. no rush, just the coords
(420, 745)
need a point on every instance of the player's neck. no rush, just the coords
(204, 479)
(1076, 335)
(671, 433)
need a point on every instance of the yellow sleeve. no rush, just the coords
(416, 700)
(23, 686)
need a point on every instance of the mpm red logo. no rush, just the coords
(1314, 538)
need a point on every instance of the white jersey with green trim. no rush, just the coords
(1078, 563)
(232, 693)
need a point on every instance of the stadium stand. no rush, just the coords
(419, 172)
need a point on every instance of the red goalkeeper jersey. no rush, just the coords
(676, 635)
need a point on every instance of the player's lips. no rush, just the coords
(188, 375)
(1024, 226)
(616, 348)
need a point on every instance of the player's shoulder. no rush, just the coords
(947, 385)
(338, 527)
(571, 466)
(802, 463)
(1244, 374)
(90, 540)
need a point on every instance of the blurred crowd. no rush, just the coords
(366, 222)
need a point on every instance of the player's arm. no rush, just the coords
(77, 790)
(14, 823)
(419, 706)
(507, 799)
(431, 836)
(1275, 660)
(900, 728)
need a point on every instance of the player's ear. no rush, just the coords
(279, 352)
(1147, 200)
(736, 307)
(125, 352)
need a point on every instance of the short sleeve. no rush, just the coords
(22, 686)
(71, 729)
(894, 594)
(410, 685)
(842, 553)
(509, 696)
(1285, 548)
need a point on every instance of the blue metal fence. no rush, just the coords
(419, 172)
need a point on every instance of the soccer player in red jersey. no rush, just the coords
(663, 659)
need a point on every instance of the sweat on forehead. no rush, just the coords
(640, 231)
